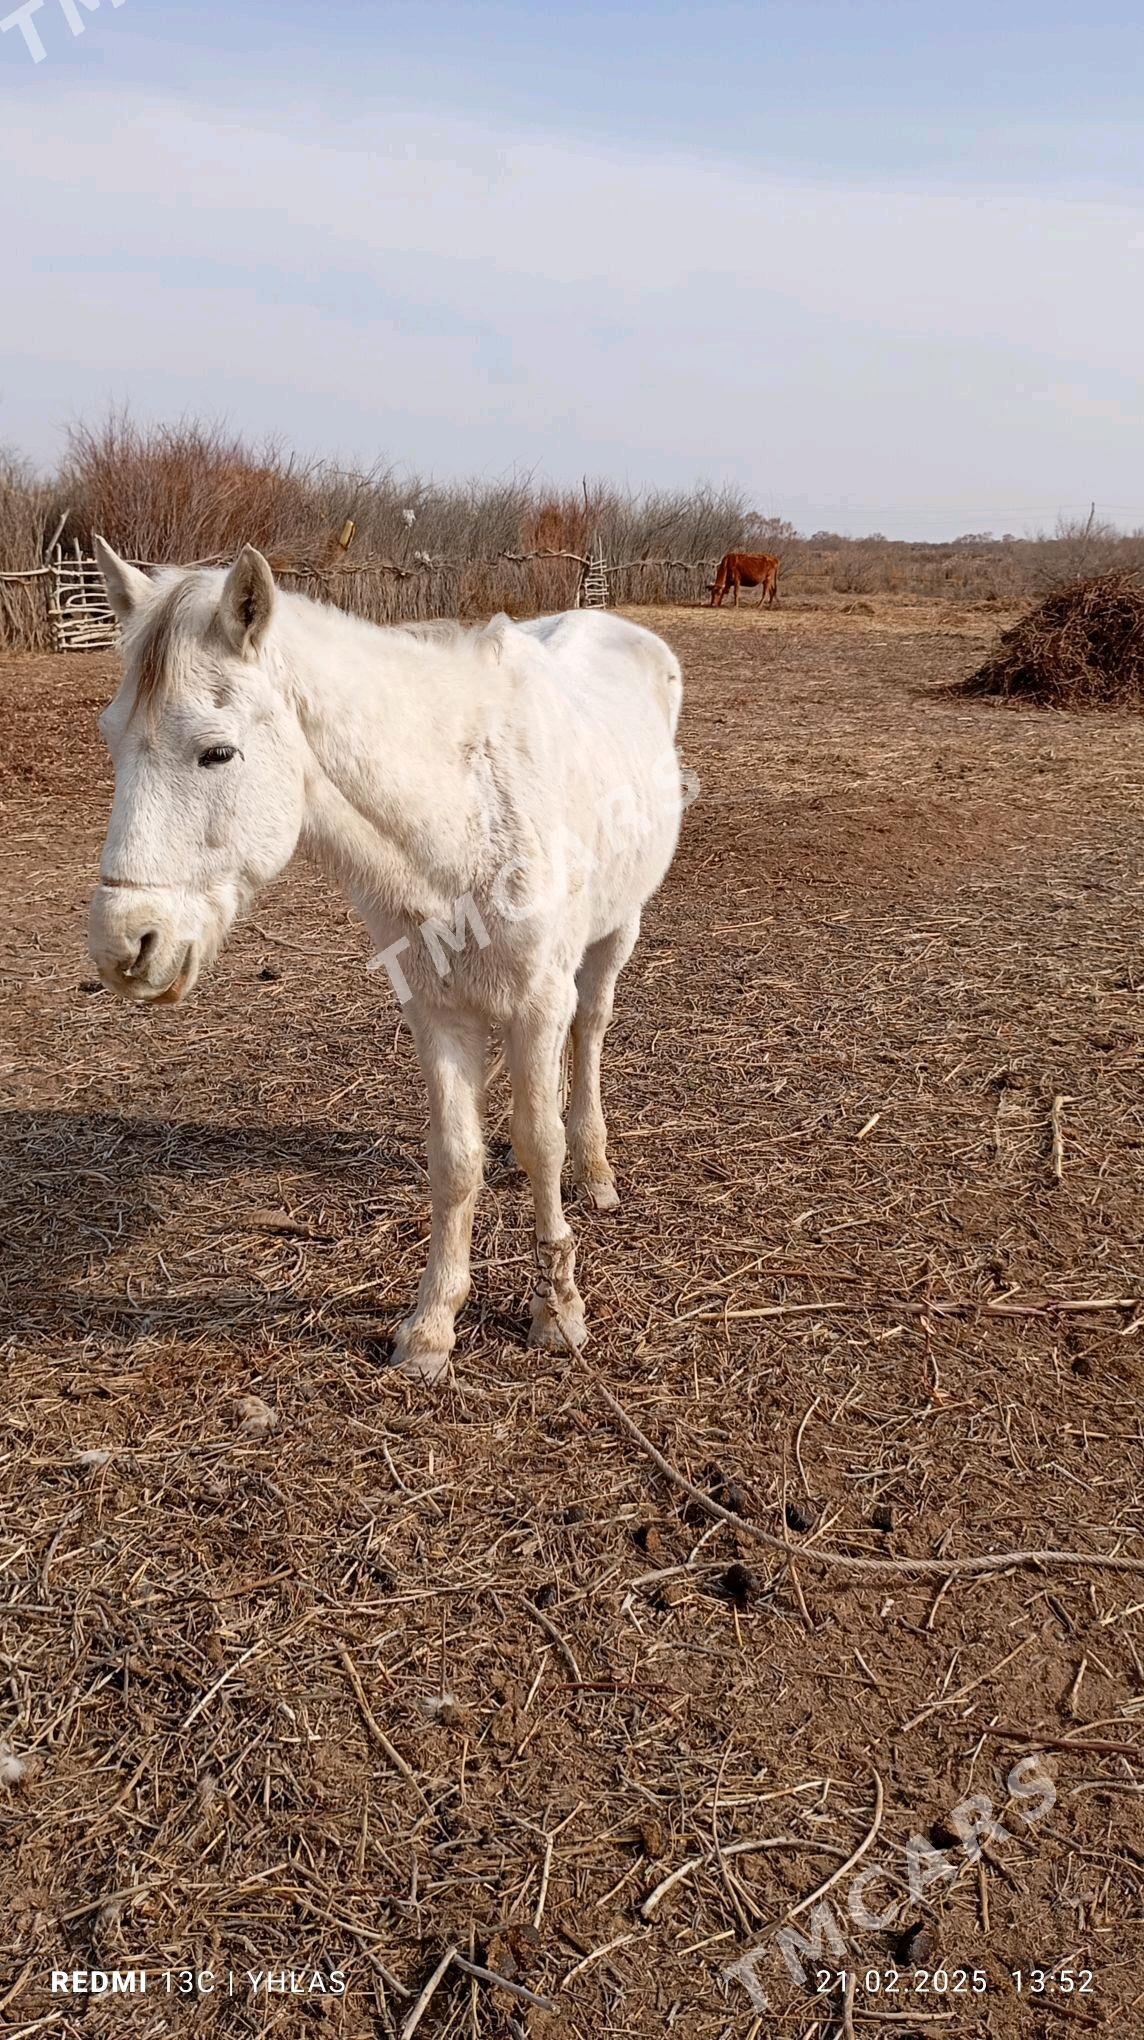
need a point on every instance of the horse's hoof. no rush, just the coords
(602, 1195)
(563, 1331)
(417, 1358)
(428, 1368)
(421, 1364)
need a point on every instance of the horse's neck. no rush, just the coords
(389, 799)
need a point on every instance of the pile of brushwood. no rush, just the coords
(1082, 647)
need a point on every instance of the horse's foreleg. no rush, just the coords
(587, 1133)
(451, 1051)
(533, 1049)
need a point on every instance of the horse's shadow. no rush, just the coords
(79, 1190)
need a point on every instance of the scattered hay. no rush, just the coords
(469, 1675)
(1082, 647)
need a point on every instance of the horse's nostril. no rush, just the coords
(138, 961)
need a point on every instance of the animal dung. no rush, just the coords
(650, 1837)
(739, 1585)
(726, 1490)
(916, 1944)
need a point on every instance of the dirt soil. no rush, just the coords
(412, 1672)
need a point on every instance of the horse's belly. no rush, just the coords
(624, 880)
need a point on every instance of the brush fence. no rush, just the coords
(62, 605)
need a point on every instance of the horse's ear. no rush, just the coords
(126, 586)
(247, 603)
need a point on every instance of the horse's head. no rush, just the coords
(209, 772)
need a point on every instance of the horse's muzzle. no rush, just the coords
(140, 986)
(138, 947)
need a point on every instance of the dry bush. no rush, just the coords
(27, 516)
(667, 541)
(1082, 548)
(26, 513)
(974, 568)
(1082, 647)
(186, 492)
(980, 569)
(560, 523)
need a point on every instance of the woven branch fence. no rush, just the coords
(60, 605)
(25, 610)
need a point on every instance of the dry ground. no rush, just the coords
(414, 1671)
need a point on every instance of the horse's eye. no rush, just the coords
(219, 754)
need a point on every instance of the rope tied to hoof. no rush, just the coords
(556, 1263)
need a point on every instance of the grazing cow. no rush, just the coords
(746, 570)
(509, 795)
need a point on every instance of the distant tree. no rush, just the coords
(767, 531)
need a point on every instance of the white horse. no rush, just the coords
(498, 804)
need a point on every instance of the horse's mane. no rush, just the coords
(156, 646)
(153, 671)
(436, 630)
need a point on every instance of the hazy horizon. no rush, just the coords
(878, 267)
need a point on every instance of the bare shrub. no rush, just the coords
(665, 542)
(1083, 548)
(27, 514)
(187, 492)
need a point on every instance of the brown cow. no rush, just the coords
(746, 570)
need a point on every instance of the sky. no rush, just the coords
(877, 263)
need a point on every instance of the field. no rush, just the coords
(411, 1672)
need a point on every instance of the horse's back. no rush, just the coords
(597, 646)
